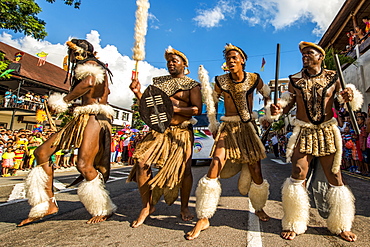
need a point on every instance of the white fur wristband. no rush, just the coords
(357, 99)
(57, 103)
(283, 101)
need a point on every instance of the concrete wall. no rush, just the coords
(358, 74)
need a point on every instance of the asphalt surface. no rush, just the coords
(230, 226)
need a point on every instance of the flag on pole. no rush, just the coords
(263, 64)
(42, 58)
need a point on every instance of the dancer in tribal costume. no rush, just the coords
(170, 151)
(237, 147)
(315, 134)
(89, 131)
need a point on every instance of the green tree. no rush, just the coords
(329, 59)
(137, 123)
(21, 16)
(4, 63)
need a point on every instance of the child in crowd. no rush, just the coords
(347, 148)
(18, 159)
(8, 161)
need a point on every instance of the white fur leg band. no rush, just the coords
(357, 99)
(296, 206)
(258, 194)
(342, 209)
(207, 193)
(57, 103)
(95, 197)
(35, 186)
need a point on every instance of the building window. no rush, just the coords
(116, 113)
(124, 116)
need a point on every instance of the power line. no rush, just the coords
(218, 60)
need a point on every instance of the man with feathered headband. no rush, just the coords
(89, 131)
(315, 134)
(170, 151)
(237, 147)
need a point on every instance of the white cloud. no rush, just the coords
(278, 13)
(212, 17)
(120, 65)
(284, 13)
(153, 20)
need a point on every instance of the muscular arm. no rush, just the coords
(217, 94)
(292, 99)
(135, 87)
(195, 107)
(260, 86)
(82, 88)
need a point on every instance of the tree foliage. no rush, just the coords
(4, 63)
(329, 59)
(137, 123)
(21, 16)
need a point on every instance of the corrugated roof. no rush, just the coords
(48, 74)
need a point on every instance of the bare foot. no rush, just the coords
(349, 236)
(97, 219)
(201, 225)
(288, 235)
(186, 215)
(262, 215)
(142, 216)
(53, 209)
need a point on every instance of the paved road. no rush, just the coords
(232, 225)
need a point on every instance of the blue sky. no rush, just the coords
(200, 29)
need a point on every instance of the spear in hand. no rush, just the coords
(141, 26)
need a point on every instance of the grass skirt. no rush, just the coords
(169, 153)
(242, 144)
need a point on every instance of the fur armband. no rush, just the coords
(283, 101)
(87, 69)
(265, 91)
(357, 99)
(57, 103)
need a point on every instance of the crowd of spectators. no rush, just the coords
(357, 35)
(123, 146)
(356, 148)
(28, 101)
(17, 147)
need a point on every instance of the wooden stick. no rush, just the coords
(53, 126)
(343, 84)
(276, 92)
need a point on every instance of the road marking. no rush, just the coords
(356, 175)
(119, 172)
(58, 185)
(254, 238)
(279, 161)
(18, 192)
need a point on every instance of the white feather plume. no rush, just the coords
(141, 26)
(207, 94)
